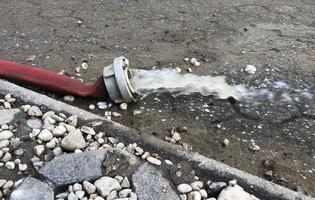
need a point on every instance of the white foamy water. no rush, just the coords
(150, 81)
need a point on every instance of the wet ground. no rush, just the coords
(278, 37)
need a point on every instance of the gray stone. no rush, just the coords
(106, 184)
(74, 167)
(34, 123)
(32, 189)
(7, 115)
(74, 140)
(149, 183)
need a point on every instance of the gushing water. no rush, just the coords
(150, 81)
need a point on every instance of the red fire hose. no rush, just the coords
(50, 81)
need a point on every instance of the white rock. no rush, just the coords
(88, 130)
(178, 70)
(235, 193)
(34, 123)
(112, 195)
(7, 156)
(123, 106)
(72, 196)
(39, 150)
(51, 144)
(176, 136)
(4, 143)
(250, 69)
(153, 160)
(18, 182)
(168, 162)
(133, 196)
(8, 96)
(84, 65)
(74, 140)
(8, 185)
(91, 106)
(59, 131)
(125, 183)
(189, 69)
(254, 147)
(99, 198)
(68, 98)
(197, 64)
(80, 194)
(22, 167)
(196, 195)
(184, 188)
(10, 165)
(2, 182)
(119, 178)
(193, 60)
(183, 197)
(136, 112)
(102, 105)
(145, 155)
(186, 59)
(226, 142)
(25, 108)
(72, 120)
(116, 114)
(1, 153)
(105, 185)
(17, 161)
(48, 114)
(45, 135)
(124, 193)
(203, 193)
(57, 151)
(77, 187)
(89, 187)
(7, 105)
(18, 152)
(197, 185)
(34, 111)
(6, 135)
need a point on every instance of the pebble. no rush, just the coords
(102, 105)
(10, 165)
(153, 160)
(34, 111)
(77, 187)
(236, 193)
(196, 195)
(112, 195)
(216, 187)
(184, 188)
(59, 131)
(203, 193)
(4, 143)
(189, 69)
(119, 178)
(123, 106)
(116, 114)
(7, 156)
(68, 98)
(125, 183)
(88, 130)
(2, 182)
(8, 185)
(124, 193)
(51, 144)
(176, 136)
(25, 108)
(18, 182)
(197, 185)
(80, 194)
(22, 167)
(72, 120)
(193, 61)
(226, 142)
(7, 105)
(49, 120)
(45, 135)
(74, 140)
(250, 69)
(105, 185)
(178, 70)
(48, 114)
(254, 147)
(136, 112)
(89, 187)
(39, 150)
(168, 162)
(34, 123)
(6, 135)
(145, 155)
(91, 106)
(72, 196)
(186, 59)
(57, 151)
(99, 198)
(84, 65)
(197, 64)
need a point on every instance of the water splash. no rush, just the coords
(151, 81)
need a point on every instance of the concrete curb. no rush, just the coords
(259, 187)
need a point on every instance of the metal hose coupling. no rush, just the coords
(116, 79)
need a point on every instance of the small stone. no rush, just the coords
(34, 123)
(68, 98)
(17, 161)
(80, 194)
(72, 196)
(189, 70)
(59, 131)
(116, 114)
(105, 185)
(57, 118)
(119, 178)
(226, 142)
(99, 198)
(8, 185)
(39, 150)
(72, 120)
(125, 183)
(18, 182)
(2, 182)
(176, 136)
(178, 70)
(84, 65)
(236, 193)
(196, 195)
(51, 144)
(153, 160)
(186, 59)
(45, 135)
(216, 187)
(183, 197)
(112, 195)
(89, 187)
(7, 105)
(184, 188)
(123, 106)
(57, 151)
(193, 61)
(168, 162)
(48, 114)
(10, 165)
(254, 147)
(91, 106)
(77, 187)
(22, 167)
(34, 111)
(88, 130)
(7, 156)
(197, 64)
(102, 105)
(25, 108)
(6, 135)
(197, 185)
(74, 140)
(4, 143)
(133, 196)
(124, 193)
(203, 193)
(145, 155)
(269, 173)
(250, 69)
(136, 112)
